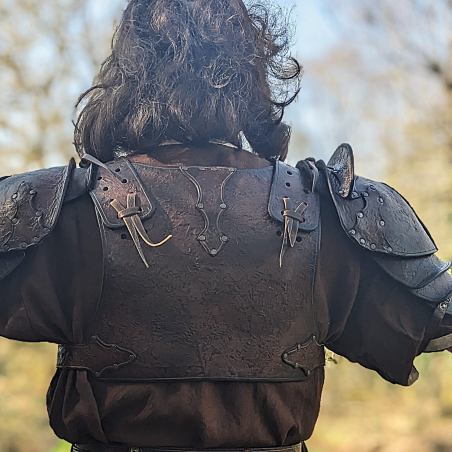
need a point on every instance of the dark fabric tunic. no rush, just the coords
(362, 314)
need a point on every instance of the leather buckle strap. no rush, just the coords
(300, 447)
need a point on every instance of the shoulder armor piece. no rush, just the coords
(374, 214)
(30, 204)
(379, 219)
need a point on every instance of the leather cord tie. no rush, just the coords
(292, 218)
(133, 222)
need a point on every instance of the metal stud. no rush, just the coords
(285, 356)
(14, 196)
(362, 241)
(97, 374)
(355, 195)
(341, 192)
(213, 168)
(185, 168)
(115, 366)
(46, 230)
(213, 252)
(299, 346)
(373, 246)
(135, 449)
(201, 168)
(382, 223)
(389, 249)
(231, 170)
(202, 238)
(23, 245)
(223, 206)
(380, 200)
(360, 215)
(38, 213)
(296, 365)
(14, 221)
(224, 238)
(372, 187)
(32, 192)
(200, 205)
(365, 194)
(352, 232)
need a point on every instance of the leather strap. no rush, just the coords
(300, 447)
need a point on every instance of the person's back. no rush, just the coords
(192, 284)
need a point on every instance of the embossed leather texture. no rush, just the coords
(379, 219)
(29, 207)
(214, 302)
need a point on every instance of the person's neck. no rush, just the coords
(209, 155)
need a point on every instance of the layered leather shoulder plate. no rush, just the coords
(379, 219)
(376, 216)
(30, 204)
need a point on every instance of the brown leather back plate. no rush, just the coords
(214, 302)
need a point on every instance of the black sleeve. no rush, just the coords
(51, 296)
(366, 315)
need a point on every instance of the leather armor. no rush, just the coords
(200, 281)
(209, 271)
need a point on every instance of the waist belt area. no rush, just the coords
(300, 447)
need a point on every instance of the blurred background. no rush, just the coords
(378, 75)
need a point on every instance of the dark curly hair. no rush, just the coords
(192, 71)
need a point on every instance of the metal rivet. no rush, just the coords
(231, 170)
(14, 221)
(213, 169)
(362, 241)
(355, 195)
(352, 232)
(285, 356)
(115, 366)
(389, 249)
(223, 206)
(39, 214)
(299, 346)
(308, 372)
(224, 238)
(365, 194)
(202, 168)
(213, 252)
(32, 192)
(373, 246)
(296, 365)
(185, 168)
(46, 230)
(135, 449)
(372, 187)
(6, 247)
(341, 192)
(35, 239)
(380, 200)
(23, 245)
(360, 215)
(202, 238)
(97, 374)
(200, 205)
(14, 196)
(382, 223)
